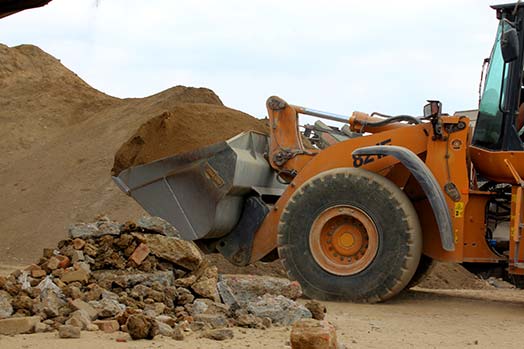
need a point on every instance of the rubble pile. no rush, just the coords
(142, 279)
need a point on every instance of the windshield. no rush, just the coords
(489, 123)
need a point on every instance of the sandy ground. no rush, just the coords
(417, 318)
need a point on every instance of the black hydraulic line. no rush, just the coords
(398, 118)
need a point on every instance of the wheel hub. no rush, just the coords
(343, 240)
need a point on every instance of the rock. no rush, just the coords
(52, 263)
(66, 331)
(84, 266)
(90, 250)
(281, 310)
(78, 244)
(22, 301)
(128, 279)
(499, 283)
(6, 310)
(219, 334)
(140, 253)
(38, 273)
(81, 305)
(141, 327)
(157, 225)
(107, 307)
(180, 252)
(166, 319)
(198, 307)
(63, 261)
(108, 227)
(212, 320)
(178, 334)
(50, 304)
(246, 288)
(156, 308)
(80, 319)
(184, 296)
(77, 256)
(11, 287)
(313, 334)
(142, 292)
(108, 326)
(227, 295)
(186, 281)
(48, 252)
(164, 329)
(251, 321)
(40, 327)
(317, 309)
(207, 288)
(83, 230)
(207, 306)
(103, 226)
(18, 325)
(75, 275)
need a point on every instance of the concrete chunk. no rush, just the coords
(18, 325)
(81, 305)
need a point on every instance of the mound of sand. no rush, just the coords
(58, 140)
(185, 128)
(450, 276)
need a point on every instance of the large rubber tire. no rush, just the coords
(424, 268)
(396, 221)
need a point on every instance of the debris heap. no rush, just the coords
(142, 279)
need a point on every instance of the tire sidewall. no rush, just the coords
(375, 197)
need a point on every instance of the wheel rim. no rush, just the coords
(343, 240)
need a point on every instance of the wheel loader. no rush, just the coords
(361, 212)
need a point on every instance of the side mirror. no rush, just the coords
(433, 108)
(509, 44)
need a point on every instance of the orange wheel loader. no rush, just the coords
(360, 212)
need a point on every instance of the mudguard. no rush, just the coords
(427, 181)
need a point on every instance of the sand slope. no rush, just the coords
(58, 139)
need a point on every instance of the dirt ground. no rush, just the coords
(418, 318)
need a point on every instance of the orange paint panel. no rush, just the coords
(491, 164)
(476, 248)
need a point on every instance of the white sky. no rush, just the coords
(338, 56)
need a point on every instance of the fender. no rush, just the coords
(427, 181)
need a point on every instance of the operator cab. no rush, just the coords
(497, 125)
(497, 150)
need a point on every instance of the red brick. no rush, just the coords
(313, 334)
(140, 254)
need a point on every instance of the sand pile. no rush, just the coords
(452, 276)
(58, 140)
(184, 128)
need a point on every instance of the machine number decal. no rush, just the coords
(459, 209)
(360, 160)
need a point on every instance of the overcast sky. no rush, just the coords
(339, 56)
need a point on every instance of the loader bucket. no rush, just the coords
(201, 193)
